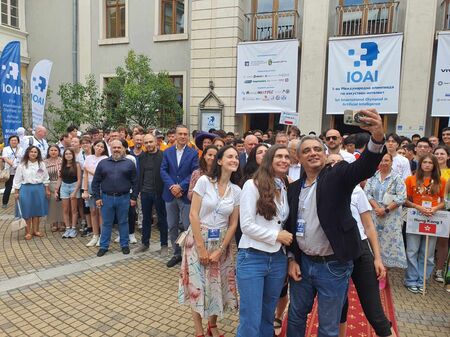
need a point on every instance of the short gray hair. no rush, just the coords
(311, 137)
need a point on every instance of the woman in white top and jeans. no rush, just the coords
(31, 189)
(11, 155)
(261, 261)
(207, 281)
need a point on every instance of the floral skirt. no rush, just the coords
(211, 289)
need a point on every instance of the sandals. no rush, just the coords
(38, 234)
(277, 324)
(209, 333)
(28, 236)
(55, 227)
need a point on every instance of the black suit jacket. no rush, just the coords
(334, 189)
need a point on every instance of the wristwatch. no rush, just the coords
(387, 210)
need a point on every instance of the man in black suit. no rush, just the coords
(327, 237)
(250, 141)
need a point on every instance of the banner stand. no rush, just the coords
(427, 237)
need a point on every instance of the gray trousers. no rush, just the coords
(177, 213)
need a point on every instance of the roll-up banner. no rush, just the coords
(10, 89)
(267, 77)
(39, 83)
(364, 72)
(441, 89)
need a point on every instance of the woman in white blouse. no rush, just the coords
(207, 281)
(31, 189)
(12, 155)
(261, 261)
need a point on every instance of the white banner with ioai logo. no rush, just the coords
(364, 72)
(441, 90)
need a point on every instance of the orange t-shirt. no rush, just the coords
(419, 195)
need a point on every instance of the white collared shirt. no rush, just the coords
(42, 145)
(294, 171)
(33, 173)
(180, 154)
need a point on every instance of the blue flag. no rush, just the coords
(10, 89)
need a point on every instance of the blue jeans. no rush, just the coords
(177, 213)
(415, 255)
(260, 278)
(115, 207)
(330, 282)
(148, 200)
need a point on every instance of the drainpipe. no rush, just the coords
(75, 42)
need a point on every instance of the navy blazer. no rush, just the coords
(172, 174)
(334, 190)
(242, 160)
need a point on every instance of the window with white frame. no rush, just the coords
(115, 19)
(172, 16)
(10, 13)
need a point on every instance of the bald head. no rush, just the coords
(292, 147)
(40, 132)
(333, 140)
(250, 142)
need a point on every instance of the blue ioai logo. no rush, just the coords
(366, 60)
(41, 84)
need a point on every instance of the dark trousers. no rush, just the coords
(8, 188)
(132, 215)
(148, 200)
(365, 279)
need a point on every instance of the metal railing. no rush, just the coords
(271, 26)
(367, 19)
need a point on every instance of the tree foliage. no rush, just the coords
(80, 104)
(137, 95)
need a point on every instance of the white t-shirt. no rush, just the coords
(358, 205)
(13, 154)
(348, 157)
(215, 211)
(91, 163)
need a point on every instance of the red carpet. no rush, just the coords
(357, 325)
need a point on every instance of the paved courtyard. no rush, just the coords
(57, 287)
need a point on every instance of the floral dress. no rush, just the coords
(211, 289)
(389, 227)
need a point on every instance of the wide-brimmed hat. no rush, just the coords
(201, 136)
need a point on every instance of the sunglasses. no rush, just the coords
(330, 138)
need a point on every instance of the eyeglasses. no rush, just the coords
(330, 138)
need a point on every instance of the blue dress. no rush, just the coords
(389, 226)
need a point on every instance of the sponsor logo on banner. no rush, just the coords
(10, 89)
(441, 91)
(364, 72)
(39, 85)
(267, 77)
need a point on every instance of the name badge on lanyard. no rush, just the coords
(213, 234)
(300, 231)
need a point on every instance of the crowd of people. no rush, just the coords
(305, 212)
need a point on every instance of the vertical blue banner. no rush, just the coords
(10, 89)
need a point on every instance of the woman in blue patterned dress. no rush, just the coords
(386, 192)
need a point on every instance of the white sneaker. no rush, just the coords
(133, 239)
(117, 239)
(98, 242)
(93, 241)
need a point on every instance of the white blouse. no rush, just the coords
(257, 232)
(215, 211)
(13, 154)
(33, 173)
(359, 204)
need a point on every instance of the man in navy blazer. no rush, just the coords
(178, 163)
(250, 141)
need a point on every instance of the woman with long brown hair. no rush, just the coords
(261, 261)
(425, 193)
(204, 166)
(53, 164)
(70, 182)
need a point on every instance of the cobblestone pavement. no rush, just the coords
(57, 287)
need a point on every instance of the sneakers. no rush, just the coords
(132, 239)
(117, 239)
(98, 242)
(173, 261)
(421, 290)
(73, 233)
(413, 289)
(126, 250)
(141, 249)
(4, 206)
(86, 231)
(439, 276)
(93, 242)
(101, 252)
(66, 234)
